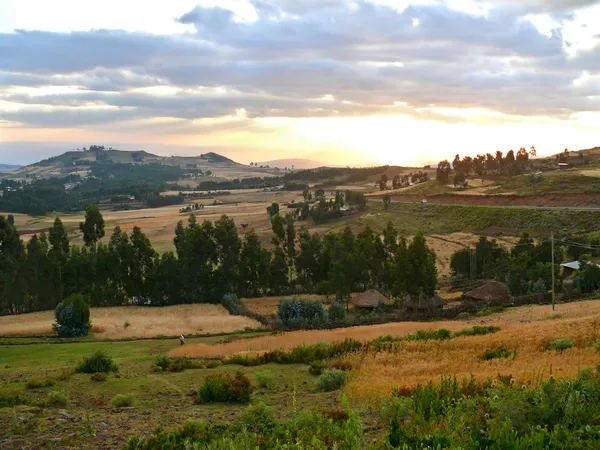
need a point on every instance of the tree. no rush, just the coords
(422, 271)
(273, 209)
(93, 226)
(254, 266)
(12, 254)
(142, 261)
(387, 200)
(11, 219)
(443, 172)
(58, 254)
(72, 317)
(228, 245)
(383, 182)
(459, 179)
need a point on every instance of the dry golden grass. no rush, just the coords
(420, 362)
(295, 338)
(144, 322)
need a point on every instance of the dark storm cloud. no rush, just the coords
(302, 58)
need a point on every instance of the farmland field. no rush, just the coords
(88, 421)
(142, 322)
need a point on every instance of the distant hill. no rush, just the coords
(77, 162)
(8, 167)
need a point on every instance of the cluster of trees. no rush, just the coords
(527, 268)
(400, 181)
(498, 164)
(210, 260)
(144, 182)
(326, 209)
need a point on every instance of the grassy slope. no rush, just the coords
(159, 398)
(442, 219)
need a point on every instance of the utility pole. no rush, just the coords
(552, 239)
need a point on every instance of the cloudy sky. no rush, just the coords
(344, 82)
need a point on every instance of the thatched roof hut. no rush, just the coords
(489, 294)
(370, 299)
(423, 303)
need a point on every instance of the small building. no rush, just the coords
(572, 267)
(492, 293)
(370, 299)
(563, 165)
(423, 303)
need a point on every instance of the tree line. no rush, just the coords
(210, 260)
(527, 267)
(512, 163)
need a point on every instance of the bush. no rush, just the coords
(222, 387)
(98, 377)
(337, 313)
(331, 380)
(561, 344)
(266, 379)
(259, 418)
(496, 353)
(316, 367)
(597, 346)
(98, 362)
(57, 399)
(72, 317)
(297, 313)
(37, 383)
(477, 331)
(122, 401)
(232, 304)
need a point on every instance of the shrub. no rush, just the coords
(297, 313)
(232, 304)
(266, 379)
(259, 418)
(426, 335)
(337, 313)
(316, 367)
(222, 387)
(122, 401)
(37, 383)
(331, 380)
(126, 324)
(597, 346)
(98, 362)
(561, 344)
(477, 331)
(98, 377)
(213, 364)
(499, 352)
(72, 317)
(57, 399)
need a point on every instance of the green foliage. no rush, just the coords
(266, 379)
(38, 383)
(122, 401)
(98, 377)
(176, 364)
(93, 226)
(259, 418)
(561, 344)
(10, 401)
(434, 335)
(498, 352)
(597, 346)
(98, 362)
(297, 313)
(232, 304)
(337, 313)
(222, 387)
(477, 331)
(331, 380)
(72, 317)
(57, 399)
(316, 367)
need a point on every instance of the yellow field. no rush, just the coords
(528, 330)
(144, 322)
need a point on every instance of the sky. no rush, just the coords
(345, 82)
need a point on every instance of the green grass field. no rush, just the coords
(160, 398)
(443, 219)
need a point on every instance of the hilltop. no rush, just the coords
(78, 162)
